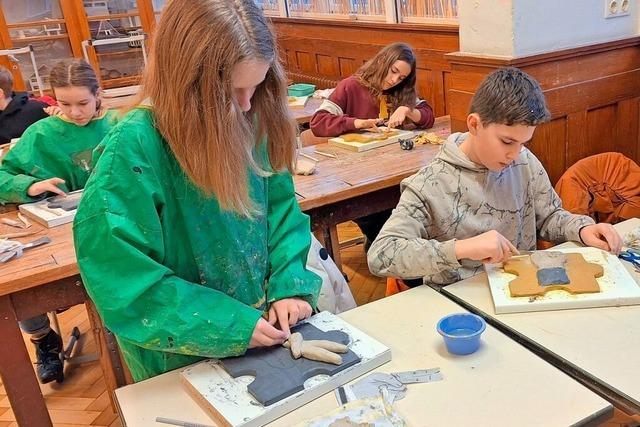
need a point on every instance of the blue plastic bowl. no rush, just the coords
(461, 332)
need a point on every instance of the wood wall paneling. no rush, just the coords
(548, 144)
(331, 51)
(327, 65)
(347, 66)
(592, 92)
(305, 62)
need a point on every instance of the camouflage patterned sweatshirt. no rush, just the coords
(455, 198)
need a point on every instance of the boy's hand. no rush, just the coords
(367, 123)
(48, 185)
(287, 312)
(53, 110)
(266, 335)
(398, 117)
(602, 236)
(489, 247)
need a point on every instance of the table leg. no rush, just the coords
(328, 237)
(17, 373)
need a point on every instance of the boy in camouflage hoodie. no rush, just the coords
(483, 197)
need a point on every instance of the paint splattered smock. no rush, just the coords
(52, 147)
(173, 276)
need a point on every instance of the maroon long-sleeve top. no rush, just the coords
(350, 101)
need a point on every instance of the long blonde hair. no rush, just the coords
(188, 79)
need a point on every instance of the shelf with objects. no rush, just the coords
(57, 28)
(40, 27)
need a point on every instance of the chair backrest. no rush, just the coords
(307, 138)
(604, 186)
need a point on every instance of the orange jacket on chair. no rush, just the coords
(605, 186)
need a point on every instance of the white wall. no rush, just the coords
(515, 28)
(486, 27)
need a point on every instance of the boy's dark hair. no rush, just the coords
(510, 96)
(6, 81)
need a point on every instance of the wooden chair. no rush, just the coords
(116, 373)
(307, 138)
(604, 186)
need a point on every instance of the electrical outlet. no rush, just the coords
(611, 8)
(625, 5)
(616, 8)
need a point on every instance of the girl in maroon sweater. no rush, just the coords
(383, 89)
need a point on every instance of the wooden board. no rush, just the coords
(228, 402)
(616, 284)
(364, 146)
(298, 102)
(49, 217)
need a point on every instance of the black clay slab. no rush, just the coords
(277, 374)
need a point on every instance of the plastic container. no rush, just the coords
(461, 332)
(301, 89)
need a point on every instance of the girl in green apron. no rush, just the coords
(52, 157)
(189, 237)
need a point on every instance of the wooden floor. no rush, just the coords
(82, 399)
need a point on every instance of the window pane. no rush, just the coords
(119, 61)
(47, 53)
(46, 30)
(438, 9)
(158, 5)
(354, 9)
(125, 18)
(16, 11)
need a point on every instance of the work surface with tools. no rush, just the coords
(494, 386)
(597, 345)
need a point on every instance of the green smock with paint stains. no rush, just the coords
(52, 148)
(173, 276)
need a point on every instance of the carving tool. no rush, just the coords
(309, 157)
(24, 220)
(12, 223)
(17, 252)
(523, 253)
(180, 423)
(322, 153)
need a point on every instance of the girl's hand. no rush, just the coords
(266, 335)
(53, 110)
(288, 312)
(398, 117)
(367, 123)
(602, 236)
(48, 185)
(491, 247)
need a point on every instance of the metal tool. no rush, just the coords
(523, 253)
(632, 256)
(395, 384)
(180, 423)
(17, 252)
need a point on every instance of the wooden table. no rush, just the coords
(44, 279)
(303, 115)
(354, 184)
(597, 346)
(501, 384)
